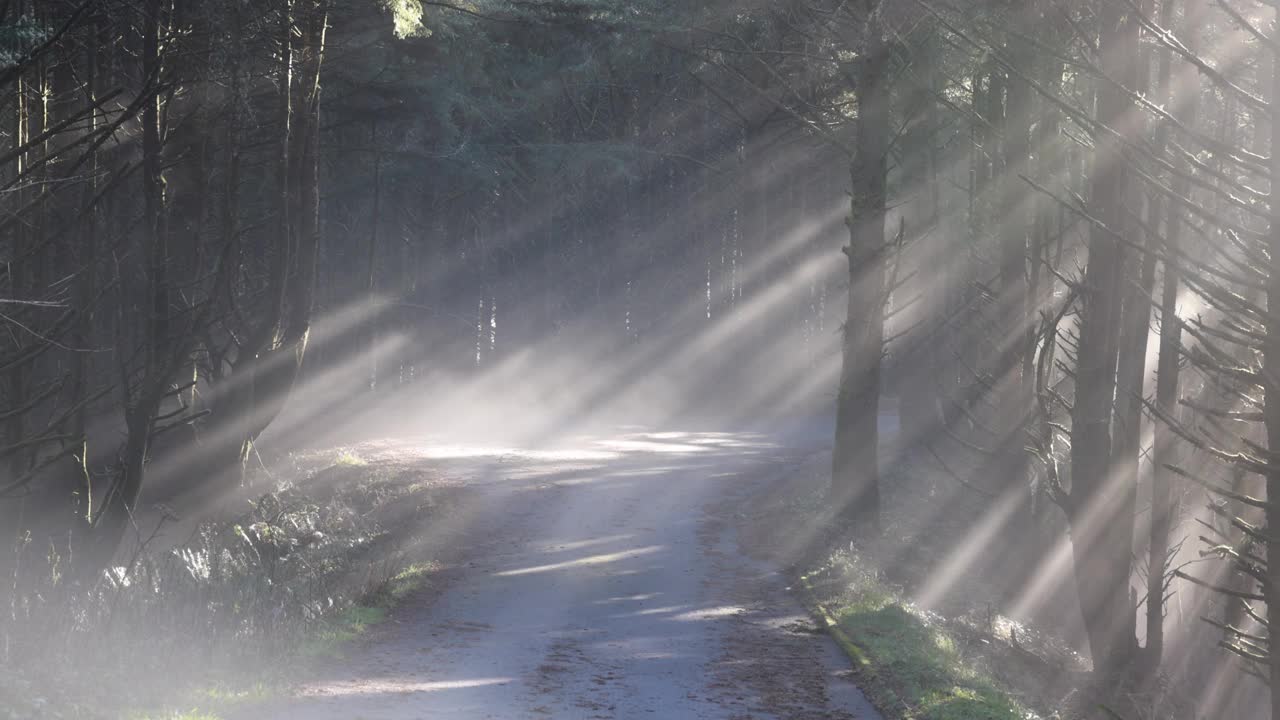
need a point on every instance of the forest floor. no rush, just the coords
(598, 582)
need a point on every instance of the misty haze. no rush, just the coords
(582, 359)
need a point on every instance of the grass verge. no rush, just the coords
(964, 664)
(910, 668)
(330, 640)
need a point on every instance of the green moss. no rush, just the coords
(910, 668)
(921, 664)
(328, 641)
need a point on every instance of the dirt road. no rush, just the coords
(600, 583)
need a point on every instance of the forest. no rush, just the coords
(578, 358)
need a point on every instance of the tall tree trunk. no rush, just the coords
(1101, 506)
(918, 406)
(1164, 483)
(372, 264)
(88, 240)
(303, 290)
(1015, 308)
(1271, 402)
(855, 481)
(20, 285)
(143, 400)
(1138, 286)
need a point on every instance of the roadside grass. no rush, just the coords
(909, 665)
(330, 640)
(372, 610)
(963, 659)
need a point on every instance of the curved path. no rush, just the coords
(604, 583)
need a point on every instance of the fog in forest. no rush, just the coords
(572, 358)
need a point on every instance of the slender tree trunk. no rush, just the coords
(918, 407)
(1164, 483)
(372, 264)
(88, 242)
(1271, 401)
(1050, 172)
(143, 401)
(1138, 286)
(19, 286)
(1101, 507)
(855, 490)
(1015, 308)
(303, 289)
(12, 462)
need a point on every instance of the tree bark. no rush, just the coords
(372, 261)
(1138, 286)
(1271, 400)
(918, 387)
(1164, 483)
(1015, 308)
(1101, 506)
(143, 401)
(855, 488)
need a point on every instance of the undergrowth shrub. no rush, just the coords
(236, 600)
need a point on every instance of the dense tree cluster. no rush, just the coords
(1098, 336)
(1120, 245)
(191, 185)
